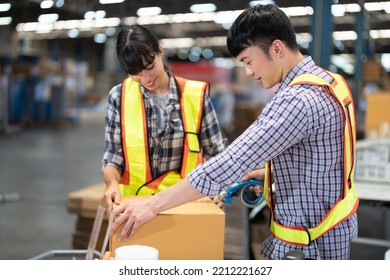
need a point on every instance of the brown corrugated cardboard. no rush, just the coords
(378, 112)
(192, 231)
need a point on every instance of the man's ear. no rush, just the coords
(278, 48)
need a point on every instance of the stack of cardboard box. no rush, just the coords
(85, 203)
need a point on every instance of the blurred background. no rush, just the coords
(58, 63)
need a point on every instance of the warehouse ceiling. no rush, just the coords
(178, 26)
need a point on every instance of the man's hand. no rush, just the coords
(217, 200)
(257, 174)
(132, 215)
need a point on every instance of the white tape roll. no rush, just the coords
(136, 252)
(387, 255)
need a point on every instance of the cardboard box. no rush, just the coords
(192, 231)
(373, 71)
(377, 113)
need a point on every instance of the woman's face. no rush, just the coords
(153, 77)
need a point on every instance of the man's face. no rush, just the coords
(264, 69)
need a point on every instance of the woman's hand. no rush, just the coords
(111, 196)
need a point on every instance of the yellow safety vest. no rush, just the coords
(348, 203)
(137, 177)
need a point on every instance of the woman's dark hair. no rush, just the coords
(136, 48)
(260, 26)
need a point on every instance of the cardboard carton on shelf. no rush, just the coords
(373, 71)
(378, 114)
(192, 231)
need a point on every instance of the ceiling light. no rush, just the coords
(148, 11)
(110, 31)
(28, 26)
(226, 16)
(207, 53)
(159, 19)
(298, 11)
(380, 34)
(110, 1)
(182, 54)
(192, 17)
(344, 35)
(261, 2)
(5, 7)
(100, 14)
(203, 8)
(44, 28)
(59, 3)
(177, 42)
(73, 33)
(86, 24)
(386, 7)
(47, 4)
(5, 20)
(100, 38)
(219, 17)
(73, 23)
(376, 6)
(89, 15)
(385, 60)
(338, 10)
(48, 18)
(353, 8)
(343, 62)
(224, 63)
(194, 57)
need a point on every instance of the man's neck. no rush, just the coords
(294, 58)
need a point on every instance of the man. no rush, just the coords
(307, 132)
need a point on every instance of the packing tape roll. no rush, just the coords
(136, 252)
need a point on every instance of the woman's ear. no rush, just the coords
(161, 49)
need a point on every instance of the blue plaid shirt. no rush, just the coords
(301, 132)
(166, 143)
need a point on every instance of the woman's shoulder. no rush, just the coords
(116, 90)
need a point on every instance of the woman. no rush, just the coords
(158, 126)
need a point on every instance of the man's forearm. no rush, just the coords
(180, 193)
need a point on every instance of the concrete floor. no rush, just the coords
(42, 165)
